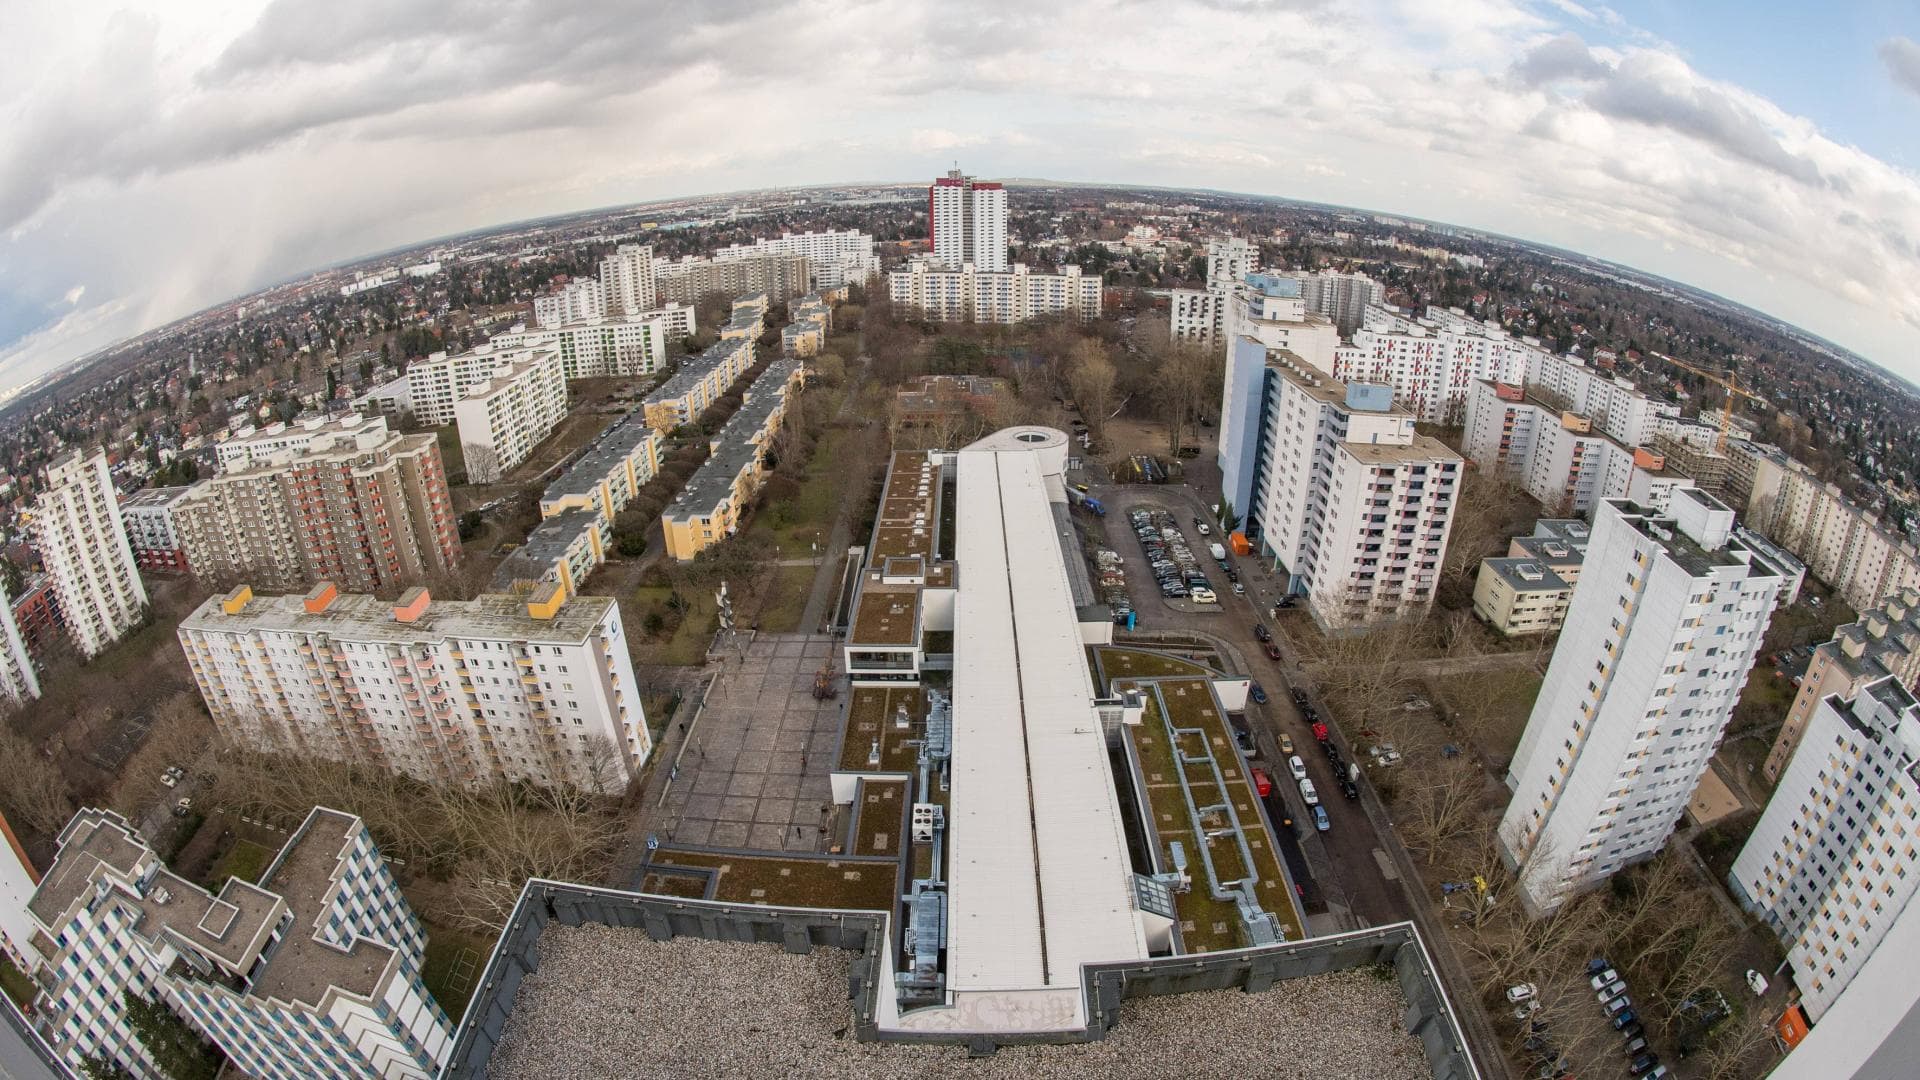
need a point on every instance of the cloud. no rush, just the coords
(1901, 55)
(72, 296)
(161, 162)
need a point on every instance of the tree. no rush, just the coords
(1225, 517)
(35, 794)
(95, 1068)
(470, 523)
(1092, 378)
(177, 1049)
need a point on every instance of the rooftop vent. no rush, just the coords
(411, 605)
(236, 601)
(320, 597)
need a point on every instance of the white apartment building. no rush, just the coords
(693, 278)
(1660, 635)
(1884, 641)
(835, 257)
(614, 345)
(1528, 591)
(19, 682)
(1341, 492)
(314, 972)
(1558, 456)
(627, 278)
(973, 294)
(1872, 1028)
(584, 300)
(537, 688)
(77, 530)
(1430, 362)
(1843, 545)
(503, 419)
(1343, 298)
(1614, 405)
(967, 223)
(1200, 315)
(1269, 309)
(152, 531)
(1832, 862)
(250, 446)
(18, 880)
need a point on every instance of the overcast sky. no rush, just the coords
(159, 158)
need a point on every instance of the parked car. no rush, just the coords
(1320, 821)
(1203, 530)
(1612, 989)
(1521, 992)
(1604, 978)
(1319, 731)
(1528, 1008)
(182, 807)
(1299, 767)
(1299, 695)
(1624, 1017)
(1310, 796)
(1636, 1046)
(1633, 1030)
(1643, 1064)
(1286, 743)
(1598, 964)
(1262, 783)
(1260, 631)
(1272, 651)
(1618, 1003)
(1659, 1073)
(1257, 694)
(1350, 789)
(1756, 982)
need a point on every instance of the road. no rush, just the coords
(21, 1052)
(1359, 869)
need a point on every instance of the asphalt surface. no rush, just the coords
(20, 1054)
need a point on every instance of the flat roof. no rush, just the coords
(610, 449)
(908, 520)
(1527, 575)
(693, 369)
(1040, 878)
(304, 967)
(872, 718)
(357, 617)
(886, 615)
(153, 497)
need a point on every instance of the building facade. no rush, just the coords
(19, 680)
(1343, 298)
(1337, 487)
(698, 383)
(579, 301)
(967, 223)
(314, 972)
(501, 420)
(969, 294)
(358, 504)
(628, 279)
(83, 543)
(1558, 456)
(1660, 635)
(151, 532)
(1883, 642)
(1199, 316)
(1843, 545)
(1832, 862)
(1528, 591)
(535, 688)
(835, 257)
(619, 346)
(18, 880)
(687, 281)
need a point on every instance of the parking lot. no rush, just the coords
(754, 773)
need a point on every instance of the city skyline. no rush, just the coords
(160, 165)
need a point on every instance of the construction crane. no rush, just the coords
(1726, 381)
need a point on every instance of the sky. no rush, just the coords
(159, 158)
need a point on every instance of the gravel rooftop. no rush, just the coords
(610, 1002)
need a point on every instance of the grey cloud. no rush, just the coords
(1901, 55)
(1562, 58)
(1640, 91)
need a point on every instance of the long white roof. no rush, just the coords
(1039, 876)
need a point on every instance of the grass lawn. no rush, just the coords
(452, 456)
(246, 861)
(15, 983)
(786, 599)
(687, 643)
(1492, 706)
(801, 881)
(806, 519)
(454, 960)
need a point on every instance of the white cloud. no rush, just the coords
(72, 296)
(164, 162)
(1901, 55)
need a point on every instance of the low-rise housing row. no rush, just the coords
(700, 381)
(536, 687)
(708, 510)
(1527, 591)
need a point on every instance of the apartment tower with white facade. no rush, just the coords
(81, 539)
(967, 222)
(1659, 637)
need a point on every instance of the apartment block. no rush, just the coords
(616, 346)
(619, 463)
(36, 613)
(1431, 362)
(1339, 489)
(535, 687)
(1528, 591)
(1199, 316)
(1659, 637)
(18, 880)
(19, 681)
(780, 276)
(627, 276)
(1005, 296)
(1872, 1028)
(575, 302)
(1884, 642)
(147, 515)
(1343, 298)
(314, 972)
(563, 549)
(700, 381)
(502, 419)
(967, 223)
(1832, 862)
(357, 504)
(711, 506)
(76, 528)
(1269, 309)
(1843, 545)
(835, 258)
(1558, 456)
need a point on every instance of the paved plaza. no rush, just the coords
(754, 774)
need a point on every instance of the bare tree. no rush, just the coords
(1093, 379)
(1442, 805)
(35, 793)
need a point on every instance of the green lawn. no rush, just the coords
(787, 600)
(452, 457)
(15, 983)
(687, 643)
(454, 960)
(246, 861)
(796, 524)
